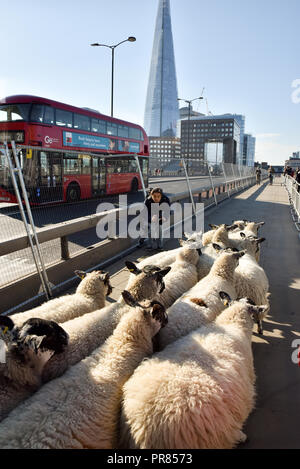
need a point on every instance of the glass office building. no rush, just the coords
(161, 111)
(241, 121)
(198, 133)
(249, 150)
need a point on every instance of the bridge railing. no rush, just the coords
(293, 188)
(61, 254)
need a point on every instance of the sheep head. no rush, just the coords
(153, 309)
(92, 283)
(29, 347)
(148, 281)
(257, 312)
(250, 243)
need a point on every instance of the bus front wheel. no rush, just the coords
(134, 185)
(73, 193)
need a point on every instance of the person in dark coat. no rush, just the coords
(156, 196)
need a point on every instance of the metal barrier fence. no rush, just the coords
(38, 238)
(293, 188)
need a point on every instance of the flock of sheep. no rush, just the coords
(169, 365)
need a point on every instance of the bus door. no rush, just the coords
(98, 176)
(51, 187)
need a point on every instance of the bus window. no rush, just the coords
(72, 166)
(132, 166)
(45, 171)
(95, 125)
(113, 166)
(14, 112)
(82, 122)
(49, 115)
(123, 131)
(112, 129)
(37, 112)
(98, 126)
(134, 133)
(86, 165)
(64, 118)
(144, 163)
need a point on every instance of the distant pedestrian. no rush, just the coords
(271, 174)
(258, 176)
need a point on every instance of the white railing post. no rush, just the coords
(227, 185)
(141, 174)
(189, 185)
(35, 253)
(212, 184)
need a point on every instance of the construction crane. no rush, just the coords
(209, 113)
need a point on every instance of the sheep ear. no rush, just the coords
(231, 227)
(132, 267)
(212, 226)
(188, 235)
(6, 323)
(80, 273)
(104, 277)
(225, 297)
(128, 298)
(165, 271)
(182, 242)
(217, 247)
(231, 250)
(251, 302)
(260, 240)
(260, 223)
(242, 235)
(239, 254)
(159, 313)
(6, 326)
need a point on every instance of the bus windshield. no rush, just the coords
(14, 112)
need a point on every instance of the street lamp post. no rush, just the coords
(189, 102)
(112, 47)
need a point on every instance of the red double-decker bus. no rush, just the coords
(74, 153)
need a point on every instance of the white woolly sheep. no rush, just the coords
(166, 258)
(28, 348)
(208, 235)
(250, 279)
(250, 229)
(221, 237)
(91, 330)
(89, 296)
(193, 241)
(182, 276)
(81, 409)
(197, 392)
(202, 303)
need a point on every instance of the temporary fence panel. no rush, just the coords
(293, 188)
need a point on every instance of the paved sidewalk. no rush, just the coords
(275, 423)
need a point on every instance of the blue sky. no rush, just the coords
(246, 53)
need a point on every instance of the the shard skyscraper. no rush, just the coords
(161, 111)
